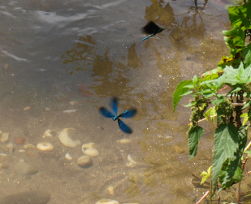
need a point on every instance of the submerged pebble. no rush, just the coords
(68, 156)
(25, 169)
(28, 197)
(19, 140)
(29, 146)
(107, 201)
(70, 111)
(124, 141)
(84, 161)
(87, 145)
(4, 137)
(10, 147)
(45, 146)
(88, 149)
(92, 152)
(131, 162)
(110, 190)
(66, 140)
(47, 133)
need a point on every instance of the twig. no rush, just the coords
(203, 197)
(247, 147)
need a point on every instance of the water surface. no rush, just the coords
(61, 60)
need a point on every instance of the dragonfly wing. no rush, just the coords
(124, 127)
(106, 113)
(128, 113)
(114, 105)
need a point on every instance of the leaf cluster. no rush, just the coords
(223, 95)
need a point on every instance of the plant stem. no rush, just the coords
(203, 197)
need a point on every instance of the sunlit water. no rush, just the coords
(61, 60)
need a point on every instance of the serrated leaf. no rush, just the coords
(194, 134)
(180, 91)
(225, 147)
(234, 76)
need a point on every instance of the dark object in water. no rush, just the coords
(151, 29)
(114, 115)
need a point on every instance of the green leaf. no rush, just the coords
(245, 118)
(210, 113)
(180, 91)
(194, 134)
(225, 147)
(234, 76)
(247, 60)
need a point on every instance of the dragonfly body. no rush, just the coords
(114, 115)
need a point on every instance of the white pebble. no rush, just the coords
(70, 111)
(124, 141)
(47, 133)
(68, 156)
(131, 162)
(92, 152)
(45, 146)
(107, 201)
(84, 161)
(66, 140)
(87, 145)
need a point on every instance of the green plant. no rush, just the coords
(223, 95)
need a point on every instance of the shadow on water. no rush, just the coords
(83, 53)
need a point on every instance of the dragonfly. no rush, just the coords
(151, 29)
(114, 115)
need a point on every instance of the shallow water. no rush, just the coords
(61, 60)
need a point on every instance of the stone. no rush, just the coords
(24, 169)
(28, 197)
(4, 137)
(131, 162)
(70, 111)
(19, 140)
(88, 149)
(45, 146)
(68, 156)
(124, 141)
(66, 140)
(27, 108)
(110, 190)
(92, 152)
(84, 161)
(107, 201)
(29, 146)
(87, 145)
(10, 147)
(47, 133)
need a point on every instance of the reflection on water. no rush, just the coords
(62, 60)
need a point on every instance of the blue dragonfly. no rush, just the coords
(114, 115)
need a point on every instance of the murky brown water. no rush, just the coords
(61, 60)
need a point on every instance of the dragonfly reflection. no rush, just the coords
(114, 115)
(151, 29)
